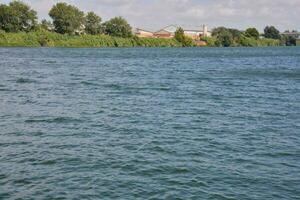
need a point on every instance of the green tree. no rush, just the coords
(236, 35)
(289, 40)
(272, 32)
(217, 31)
(118, 27)
(67, 18)
(252, 32)
(93, 24)
(179, 35)
(183, 39)
(46, 25)
(224, 37)
(17, 16)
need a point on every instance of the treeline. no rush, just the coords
(71, 27)
(66, 19)
(52, 39)
(227, 37)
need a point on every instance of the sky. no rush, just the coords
(156, 14)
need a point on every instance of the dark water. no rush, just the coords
(150, 123)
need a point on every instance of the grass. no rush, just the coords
(50, 39)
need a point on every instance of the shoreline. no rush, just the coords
(51, 39)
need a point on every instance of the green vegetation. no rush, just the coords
(289, 40)
(67, 18)
(17, 16)
(252, 32)
(50, 39)
(45, 25)
(210, 41)
(71, 27)
(184, 40)
(272, 33)
(225, 37)
(298, 42)
(93, 24)
(263, 42)
(118, 27)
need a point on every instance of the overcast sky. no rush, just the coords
(154, 14)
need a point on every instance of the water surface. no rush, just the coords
(199, 123)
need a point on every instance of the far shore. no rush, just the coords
(51, 39)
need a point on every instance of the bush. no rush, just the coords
(66, 18)
(210, 41)
(252, 32)
(17, 16)
(118, 27)
(272, 33)
(51, 39)
(184, 40)
(263, 42)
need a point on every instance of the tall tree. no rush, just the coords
(46, 25)
(236, 35)
(252, 32)
(93, 24)
(67, 18)
(118, 27)
(217, 31)
(224, 36)
(17, 16)
(272, 32)
(179, 34)
(289, 40)
(183, 39)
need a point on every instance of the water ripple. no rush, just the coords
(194, 123)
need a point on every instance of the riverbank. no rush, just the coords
(51, 39)
(243, 41)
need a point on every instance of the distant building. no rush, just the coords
(293, 34)
(169, 32)
(80, 30)
(163, 34)
(143, 33)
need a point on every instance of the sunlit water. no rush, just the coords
(150, 123)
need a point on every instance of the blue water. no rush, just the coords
(199, 123)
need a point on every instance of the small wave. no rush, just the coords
(87, 83)
(25, 80)
(221, 196)
(50, 61)
(3, 176)
(22, 181)
(48, 162)
(128, 88)
(162, 88)
(113, 86)
(57, 120)
(270, 73)
(99, 112)
(5, 90)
